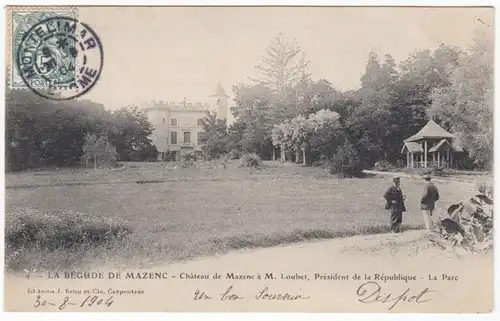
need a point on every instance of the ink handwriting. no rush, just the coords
(230, 294)
(371, 292)
(89, 301)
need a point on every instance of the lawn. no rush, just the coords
(184, 213)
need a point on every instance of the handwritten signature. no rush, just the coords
(89, 301)
(371, 291)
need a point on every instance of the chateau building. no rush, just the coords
(178, 125)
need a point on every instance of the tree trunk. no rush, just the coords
(303, 156)
(95, 163)
(297, 159)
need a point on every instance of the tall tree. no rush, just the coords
(283, 65)
(256, 114)
(370, 122)
(466, 106)
(420, 74)
(215, 138)
(130, 134)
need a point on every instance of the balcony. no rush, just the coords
(187, 144)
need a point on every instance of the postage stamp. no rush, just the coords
(20, 20)
(54, 54)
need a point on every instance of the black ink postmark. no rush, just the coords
(60, 58)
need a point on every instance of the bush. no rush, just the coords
(98, 151)
(234, 154)
(383, 166)
(345, 162)
(485, 188)
(437, 170)
(50, 231)
(189, 156)
(250, 160)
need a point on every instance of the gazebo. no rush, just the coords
(432, 145)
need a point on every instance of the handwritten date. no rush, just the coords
(89, 301)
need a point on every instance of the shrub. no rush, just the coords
(345, 162)
(31, 229)
(486, 189)
(189, 156)
(383, 166)
(234, 154)
(98, 151)
(437, 170)
(250, 160)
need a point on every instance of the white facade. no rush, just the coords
(177, 125)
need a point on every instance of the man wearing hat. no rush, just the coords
(429, 198)
(395, 203)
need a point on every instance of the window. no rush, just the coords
(173, 138)
(173, 122)
(218, 102)
(199, 122)
(199, 154)
(164, 120)
(187, 137)
(198, 138)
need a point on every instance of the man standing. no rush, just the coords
(429, 198)
(395, 203)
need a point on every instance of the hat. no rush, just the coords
(396, 179)
(427, 176)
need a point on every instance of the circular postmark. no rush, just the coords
(60, 58)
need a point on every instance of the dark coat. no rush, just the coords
(429, 197)
(394, 193)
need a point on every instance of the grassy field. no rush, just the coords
(163, 214)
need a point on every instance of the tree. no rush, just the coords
(215, 137)
(254, 110)
(300, 128)
(282, 136)
(129, 132)
(42, 133)
(98, 150)
(283, 66)
(420, 74)
(369, 123)
(466, 105)
(318, 133)
(325, 134)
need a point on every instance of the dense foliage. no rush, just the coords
(284, 114)
(41, 133)
(283, 109)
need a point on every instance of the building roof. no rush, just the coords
(413, 147)
(439, 145)
(219, 91)
(431, 130)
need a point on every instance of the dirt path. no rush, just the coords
(471, 181)
(321, 272)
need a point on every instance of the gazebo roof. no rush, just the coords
(431, 130)
(439, 145)
(413, 147)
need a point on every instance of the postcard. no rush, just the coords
(249, 159)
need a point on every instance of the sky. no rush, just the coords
(160, 53)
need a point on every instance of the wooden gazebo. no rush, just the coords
(432, 145)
